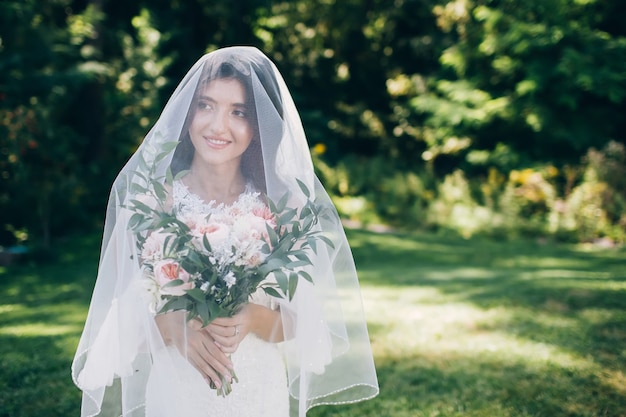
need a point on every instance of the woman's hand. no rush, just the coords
(229, 332)
(252, 318)
(198, 344)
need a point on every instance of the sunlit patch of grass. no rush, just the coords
(39, 329)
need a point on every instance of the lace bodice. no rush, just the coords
(189, 204)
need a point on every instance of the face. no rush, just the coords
(220, 130)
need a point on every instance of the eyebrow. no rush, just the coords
(208, 98)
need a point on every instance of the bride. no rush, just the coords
(229, 134)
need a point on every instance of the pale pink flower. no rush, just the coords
(255, 259)
(265, 213)
(216, 233)
(167, 271)
(153, 246)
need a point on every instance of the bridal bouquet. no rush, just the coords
(209, 264)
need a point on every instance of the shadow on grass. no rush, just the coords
(43, 306)
(36, 378)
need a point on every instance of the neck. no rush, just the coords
(223, 183)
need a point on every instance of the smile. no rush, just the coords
(216, 141)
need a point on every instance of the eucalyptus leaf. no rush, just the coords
(306, 276)
(327, 241)
(304, 188)
(282, 203)
(272, 292)
(282, 280)
(197, 294)
(293, 284)
(173, 283)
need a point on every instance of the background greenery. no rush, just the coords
(494, 117)
(458, 328)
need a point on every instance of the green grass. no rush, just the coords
(458, 328)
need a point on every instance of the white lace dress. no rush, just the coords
(262, 387)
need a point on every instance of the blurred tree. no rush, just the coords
(544, 80)
(37, 78)
(474, 84)
(337, 57)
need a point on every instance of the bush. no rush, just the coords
(582, 203)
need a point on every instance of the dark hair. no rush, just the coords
(252, 158)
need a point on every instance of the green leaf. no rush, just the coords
(272, 206)
(271, 291)
(296, 264)
(140, 175)
(160, 191)
(142, 164)
(327, 241)
(141, 206)
(173, 283)
(306, 276)
(287, 216)
(293, 284)
(204, 313)
(168, 147)
(282, 280)
(197, 294)
(136, 188)
(302, 255)
(304, 188)
(272, 235)
(282, 203)
(169, 179)
(135, 220)
(145, 225)
(206, 243)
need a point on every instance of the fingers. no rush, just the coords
(207, 357)
(227, 338)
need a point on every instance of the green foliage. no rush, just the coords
(67, 118)
(428, 86)
(545, 69)
(583, 204)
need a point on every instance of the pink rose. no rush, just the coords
(167, 271)
(216, 233)
(266, 214)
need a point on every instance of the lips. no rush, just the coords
(216, 143)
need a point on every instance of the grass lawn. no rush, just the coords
(458, 328)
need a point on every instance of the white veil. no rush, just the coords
(326, 349)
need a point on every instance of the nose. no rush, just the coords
(219, 122)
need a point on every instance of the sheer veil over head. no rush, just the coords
(326, 348)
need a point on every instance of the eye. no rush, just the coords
(204, 105)
(240, 113)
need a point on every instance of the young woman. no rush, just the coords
(231, 136)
